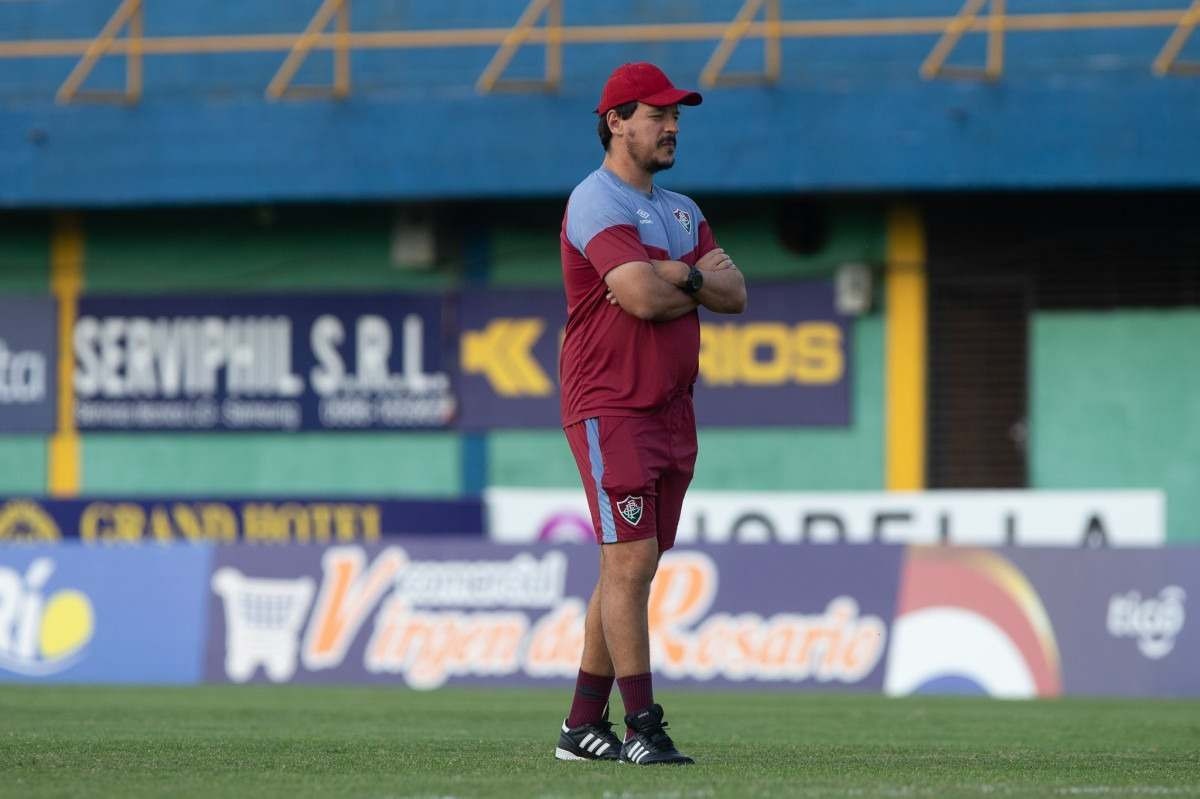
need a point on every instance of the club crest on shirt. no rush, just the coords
(631, 509)
(684, 218)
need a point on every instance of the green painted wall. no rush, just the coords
(23, 464)
(247, 250)
(24, 253)
(24, 269)
(730, 458)
(806, 458)
(328, 249)
(855, 233)
(521, 256)
(421, 464)
(1115, 403)
(533, 458)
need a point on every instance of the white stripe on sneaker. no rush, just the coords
(583, 744)
(595, 745)
(602, 749)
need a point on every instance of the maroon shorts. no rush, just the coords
(635, 470)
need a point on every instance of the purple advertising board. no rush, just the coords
(508, 358)
(423, 613)
(272, 362)
(1024, 623)
(28, 364)
(1121, 620)
(786, 361)
(426, 614)
(223, 520)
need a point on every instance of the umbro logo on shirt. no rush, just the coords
(644, 217)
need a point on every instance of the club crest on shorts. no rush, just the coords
(684, 218)
(631, 509)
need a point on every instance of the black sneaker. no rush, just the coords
(650, 744)
(588, 741)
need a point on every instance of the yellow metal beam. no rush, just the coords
(554, 35)
(1167, 62)
(66, 283)
(304, 44)
(598, 34)
(934, 65)
(341, 53)
(773, 45)
(711, 74)
(128, 13)
(519, 34)
(554, 44)
(995, 53)
(905, 350)
(133, 59)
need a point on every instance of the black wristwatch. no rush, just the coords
(695, 279)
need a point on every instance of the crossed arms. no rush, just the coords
(651, 290)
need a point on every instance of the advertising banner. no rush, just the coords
(131, 615)
(279, 362)
(977, 518)
(28, 359)
(426, 614)
(508, 358)
(1126, 623)
(786, 361)
(290, 520)
(1020, 623)
(423, 613)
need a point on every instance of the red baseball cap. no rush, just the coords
(644, 82)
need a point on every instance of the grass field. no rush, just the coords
(381, 742)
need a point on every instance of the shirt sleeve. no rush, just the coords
(706, 242)
(604, 231)
(614, 246)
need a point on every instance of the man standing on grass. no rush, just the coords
(637, 262)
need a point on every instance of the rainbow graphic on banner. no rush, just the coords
(969, 622)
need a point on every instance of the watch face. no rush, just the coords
(695, 279)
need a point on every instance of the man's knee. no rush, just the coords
(630, 562)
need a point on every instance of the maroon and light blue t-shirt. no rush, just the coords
(614, 364)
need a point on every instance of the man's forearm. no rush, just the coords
(724, 291)
(669, 301)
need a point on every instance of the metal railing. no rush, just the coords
(756, 19)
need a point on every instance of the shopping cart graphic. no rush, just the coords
(262, 623)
